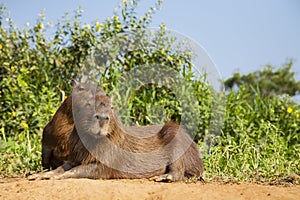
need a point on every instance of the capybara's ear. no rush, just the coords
(73, 83)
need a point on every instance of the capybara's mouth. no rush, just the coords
(97, 133)
(93, 131)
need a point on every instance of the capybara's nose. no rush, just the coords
(100, 117)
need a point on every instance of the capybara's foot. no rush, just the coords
(163, 178)
(39, 176)
(45, 175)
(33, 177)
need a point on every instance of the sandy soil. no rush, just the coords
(139, 189)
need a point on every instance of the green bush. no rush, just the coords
(259, 139)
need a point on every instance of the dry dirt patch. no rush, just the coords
(139, 189)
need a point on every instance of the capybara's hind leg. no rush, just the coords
(169, 177)
(162, 178)
(175, 172)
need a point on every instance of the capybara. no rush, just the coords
(56, 134)
(103, 148)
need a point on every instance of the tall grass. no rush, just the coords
(259, 140)
(20, 154)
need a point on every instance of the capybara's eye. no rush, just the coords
(81, 88)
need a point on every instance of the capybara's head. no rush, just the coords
(92, 109)
(83, 93)
(103, 115)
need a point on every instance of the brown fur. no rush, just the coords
(101, 147)
(56, 134)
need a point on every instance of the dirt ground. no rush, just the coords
(139, 189)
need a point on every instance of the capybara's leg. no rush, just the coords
(92, 171)
(175, 172)
(162, 178)
(50, 174)
(46, 156)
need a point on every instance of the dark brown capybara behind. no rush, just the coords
(56, 134)
(103, 148)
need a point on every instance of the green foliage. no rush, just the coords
(259, 139)
(20, 154)
(269, 81)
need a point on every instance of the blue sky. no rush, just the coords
(239, 35)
